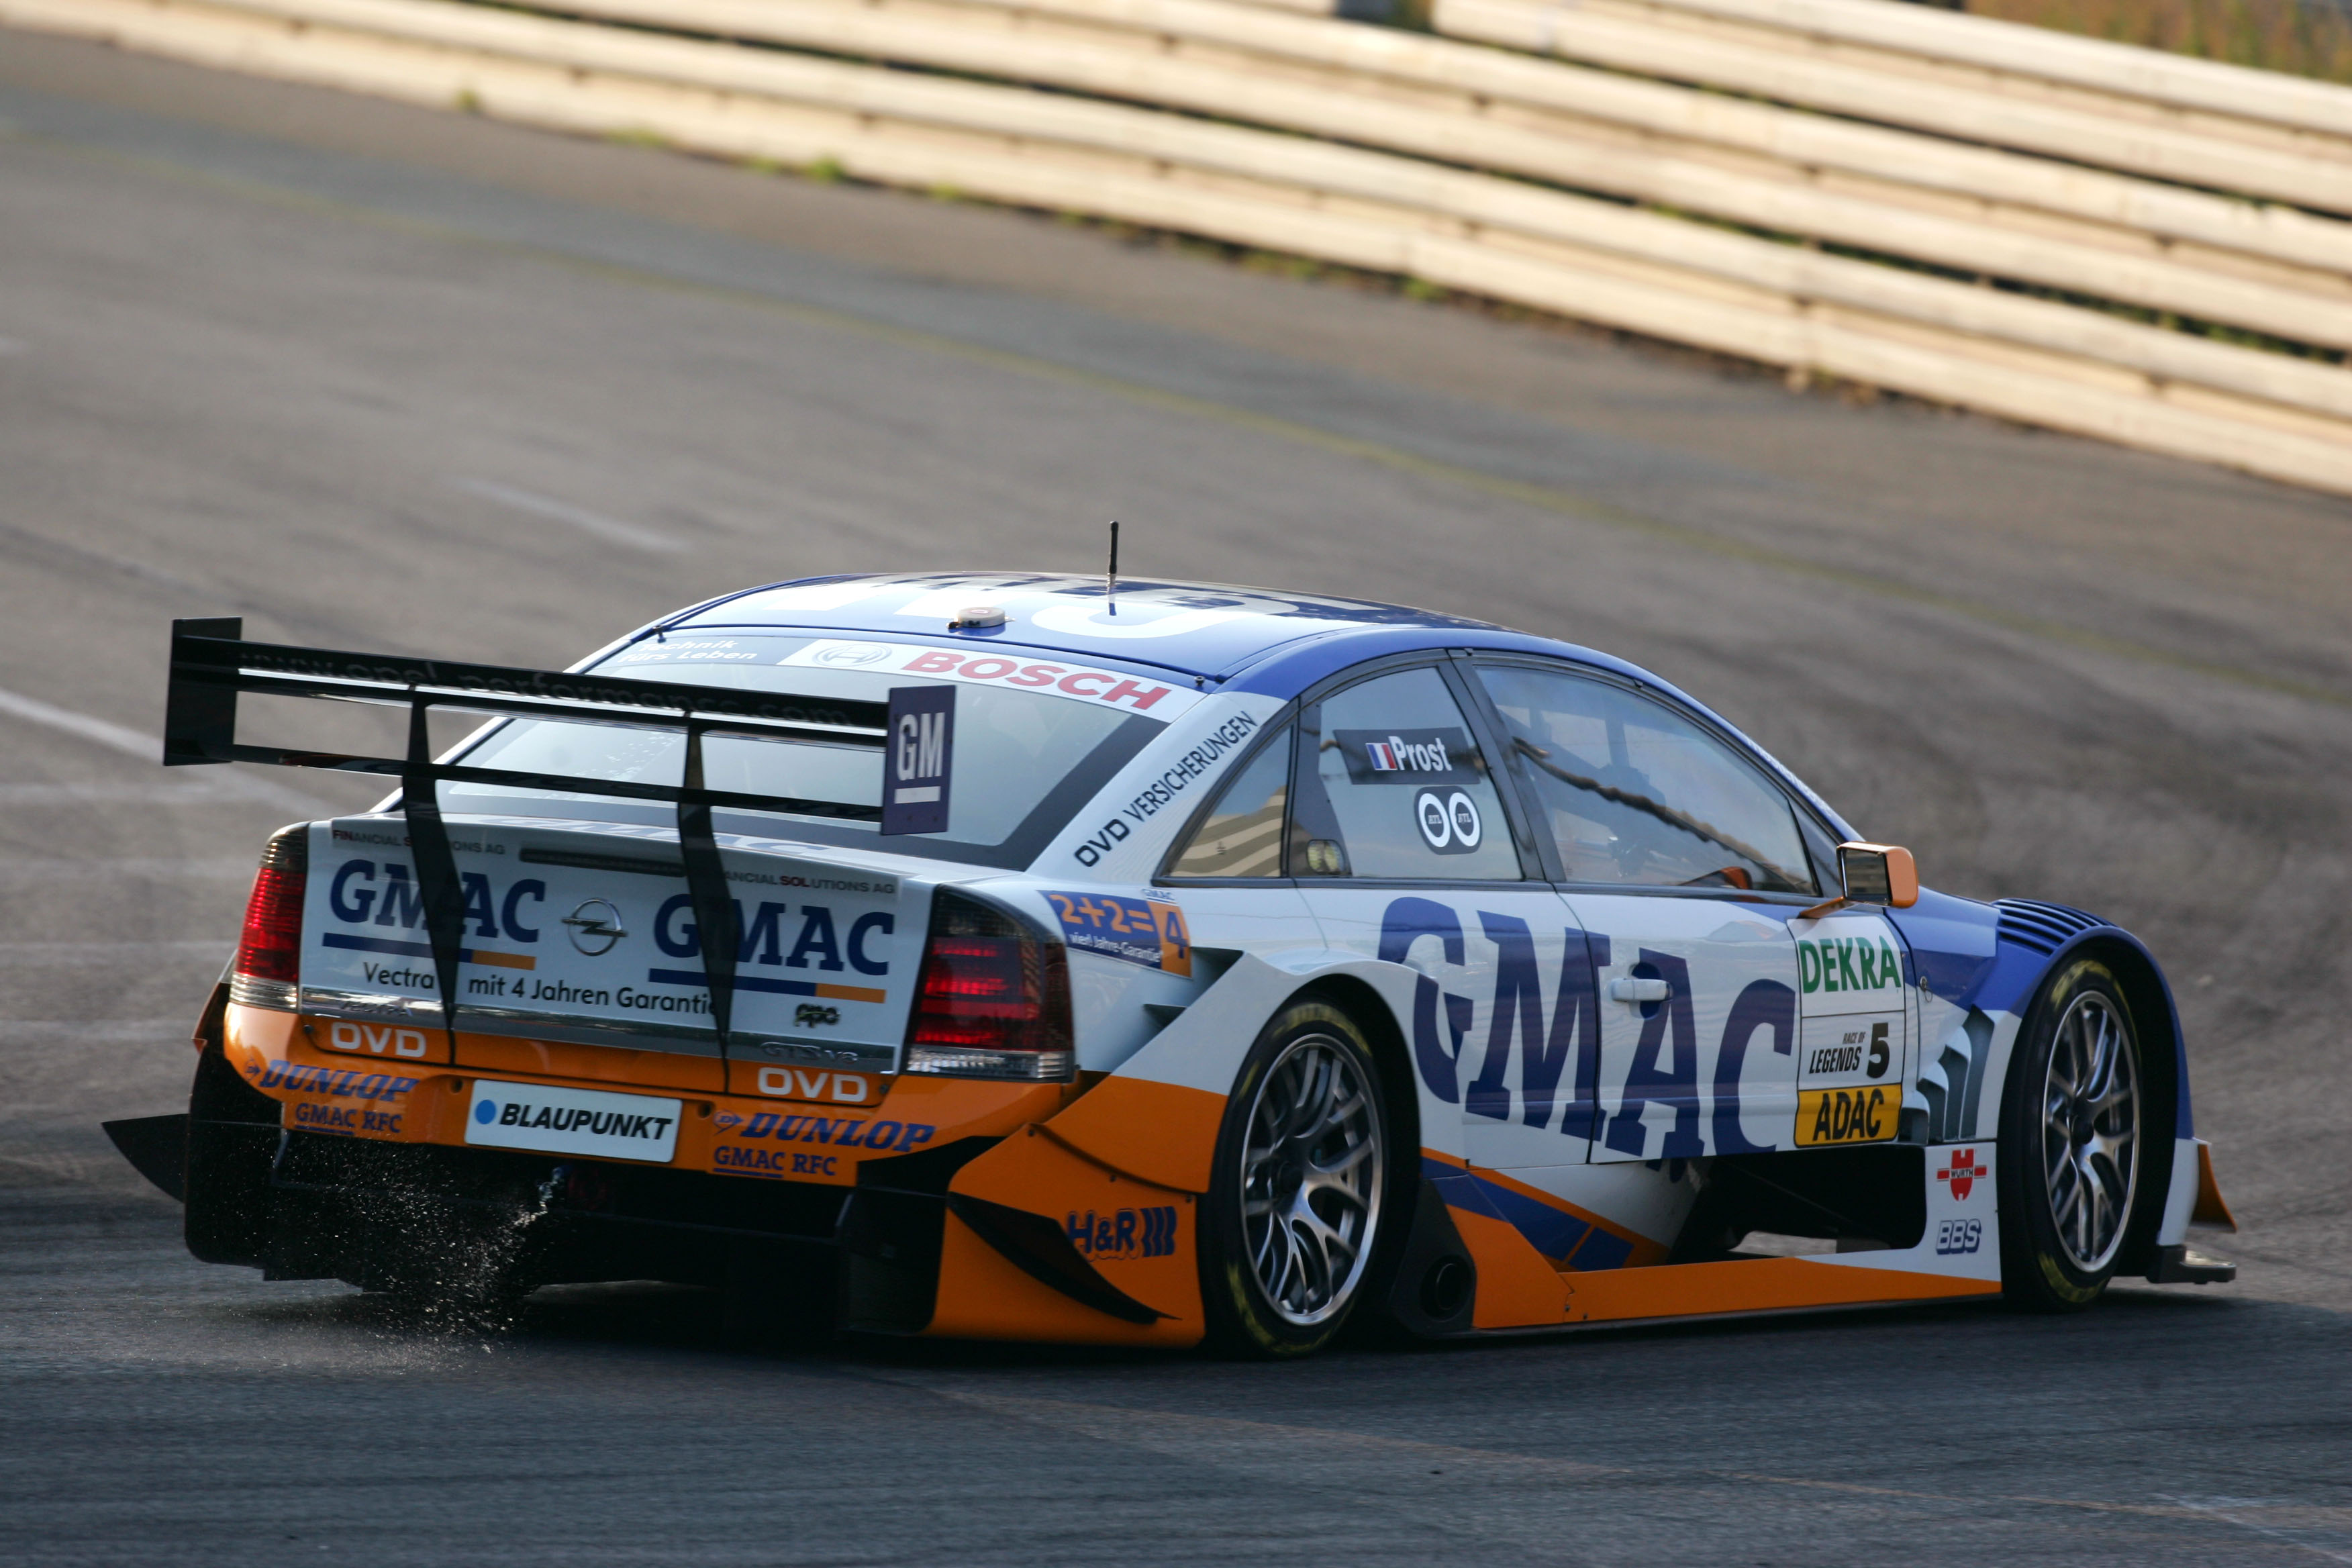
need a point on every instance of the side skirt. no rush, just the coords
(1940, 1243)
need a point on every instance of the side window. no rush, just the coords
(1241, 835)
(1399, 788)
(1632, 792)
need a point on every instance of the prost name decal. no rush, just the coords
(1406, 756)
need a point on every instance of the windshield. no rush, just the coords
(1024, 759)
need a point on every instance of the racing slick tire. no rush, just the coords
(2072, 1126)
(1298, 1197)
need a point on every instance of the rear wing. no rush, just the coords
(211, 663)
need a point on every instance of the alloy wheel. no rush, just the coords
(2090, 1131)
(1311, 1173)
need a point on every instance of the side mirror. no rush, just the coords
(1878, 874)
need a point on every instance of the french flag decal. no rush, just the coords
(1384, 757)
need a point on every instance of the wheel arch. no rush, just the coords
(1156, 1114)
(2164, 1068)
(1352, 995)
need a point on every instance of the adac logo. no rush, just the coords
(1123, 1233)
(1961, 1170)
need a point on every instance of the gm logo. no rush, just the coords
(918, 753)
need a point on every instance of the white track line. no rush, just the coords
(115, 737)
(587, 521)
(150, 749)
(2228, 1508)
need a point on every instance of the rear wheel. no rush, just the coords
(2070, 1143)
(1297, 1198)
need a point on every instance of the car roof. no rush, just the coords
(1261, 640)
(1242, 637)
(1212, 631)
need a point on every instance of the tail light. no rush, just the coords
(269, 968)
(992, 1000)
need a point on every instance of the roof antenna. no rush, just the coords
(1110, 580)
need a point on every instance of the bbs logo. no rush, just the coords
(1123, 1233)
(808, 1016)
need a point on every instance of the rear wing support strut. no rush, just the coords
(211, 663)
(438, 886)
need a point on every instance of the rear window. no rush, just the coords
(1025, 759)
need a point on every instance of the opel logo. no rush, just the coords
(595, 927)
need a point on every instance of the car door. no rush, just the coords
(1407, 850)
(1684, 863)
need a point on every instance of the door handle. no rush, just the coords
(1626, 988)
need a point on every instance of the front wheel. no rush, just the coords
(2070, 1143)
(1301, 1179)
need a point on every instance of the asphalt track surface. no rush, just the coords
(377, 377)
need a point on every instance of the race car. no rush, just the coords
(1035, 957)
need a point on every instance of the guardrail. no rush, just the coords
(1824, 55)
(1961, 271)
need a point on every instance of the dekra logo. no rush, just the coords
(1847, 963)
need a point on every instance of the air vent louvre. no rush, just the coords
(2044, 927)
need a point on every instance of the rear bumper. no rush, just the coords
(346, 1209)
(333, 1165)
(316, 1087)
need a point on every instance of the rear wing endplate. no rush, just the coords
(211, 663)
